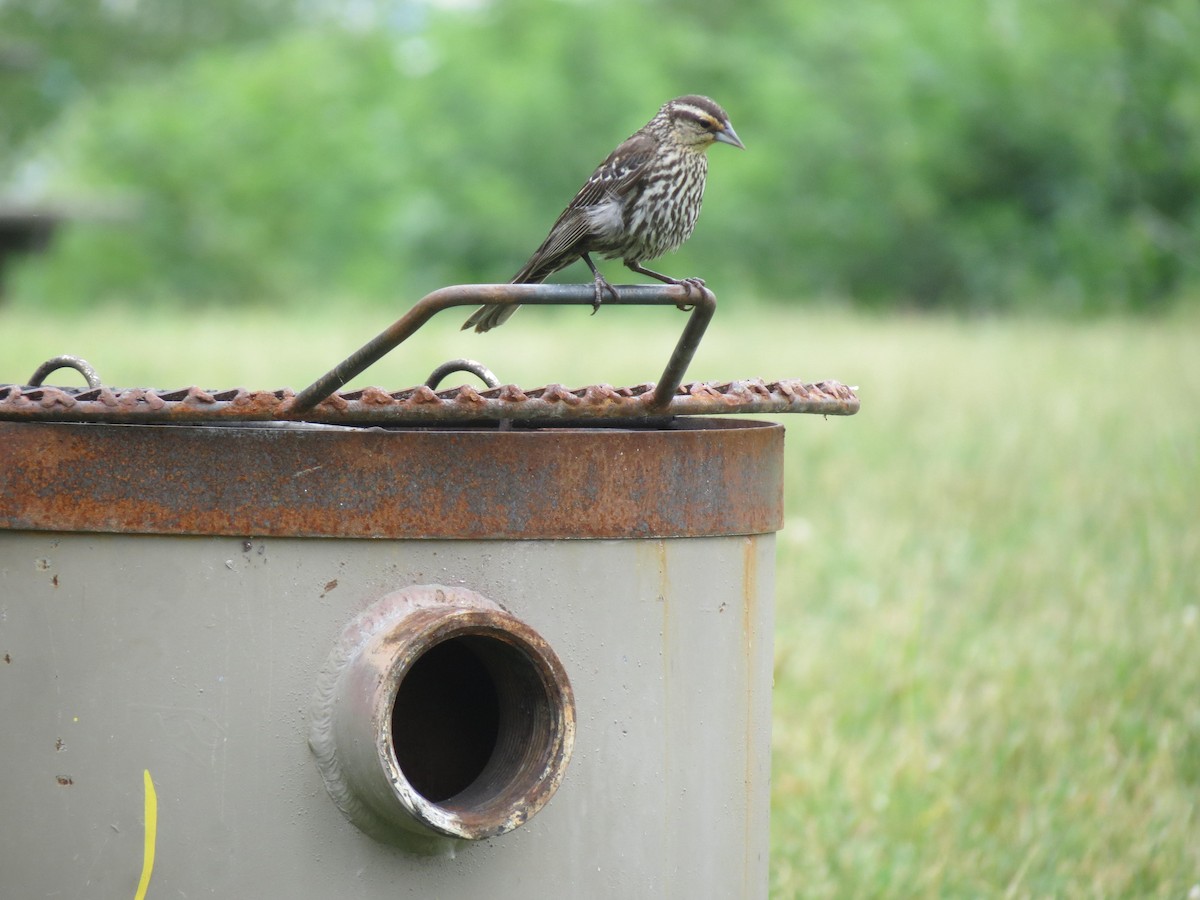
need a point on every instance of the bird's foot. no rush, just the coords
(602, 285)
(689, 285)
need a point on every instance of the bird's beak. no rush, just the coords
(728, 136)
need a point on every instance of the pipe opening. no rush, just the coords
(440, 715)
(475, 722)
(446, 719)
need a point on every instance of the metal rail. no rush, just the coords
(703, 304)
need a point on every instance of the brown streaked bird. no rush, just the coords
(640, 203)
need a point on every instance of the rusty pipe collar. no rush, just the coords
(440, 716)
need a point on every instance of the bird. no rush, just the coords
(640, 203)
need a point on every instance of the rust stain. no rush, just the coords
(664, 594)
(7, 658)
(690, 478)
(64, 780)
(749, 637)
(749, 593)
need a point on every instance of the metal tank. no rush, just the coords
(423, 643)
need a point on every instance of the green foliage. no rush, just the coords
(55, 52)
(982, 155)
(252, 175)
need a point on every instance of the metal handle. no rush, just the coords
(478, 369)
(65, 362)
(702, 301)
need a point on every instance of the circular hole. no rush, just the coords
(446, 718)
(475, 724)
(441, 719)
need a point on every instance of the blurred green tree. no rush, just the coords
(54, 53)
(987, 154)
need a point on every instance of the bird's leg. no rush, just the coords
(688, 284)
(601, 284)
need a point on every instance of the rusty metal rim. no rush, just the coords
(690, 478)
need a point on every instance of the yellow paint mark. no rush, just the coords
(151, 833)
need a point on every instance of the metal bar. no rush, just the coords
(681, 357)
(703, 307)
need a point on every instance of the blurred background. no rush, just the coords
(980, 155)
(982, 213)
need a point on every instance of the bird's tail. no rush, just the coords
(488, 317)
(492, 316)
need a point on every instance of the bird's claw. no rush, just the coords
(602, 285)
(689, 285)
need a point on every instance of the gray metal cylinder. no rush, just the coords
(176, 601)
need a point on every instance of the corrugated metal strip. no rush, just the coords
(422, 405)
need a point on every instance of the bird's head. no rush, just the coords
(697, 123)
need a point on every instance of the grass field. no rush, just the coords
(988, 644)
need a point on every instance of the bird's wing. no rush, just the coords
(616, 175)
(613, 180)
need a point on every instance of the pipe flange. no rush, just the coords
(439, 716)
